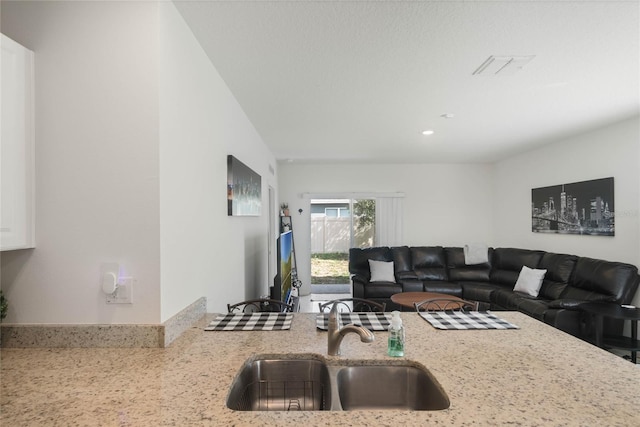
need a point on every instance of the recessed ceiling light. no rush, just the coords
(427, 132)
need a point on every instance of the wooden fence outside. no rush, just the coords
(330, 234)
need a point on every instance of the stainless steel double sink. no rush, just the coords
(269, 383)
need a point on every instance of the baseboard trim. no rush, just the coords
(99, 336)
(183, 320)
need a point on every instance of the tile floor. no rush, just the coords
(309, 303)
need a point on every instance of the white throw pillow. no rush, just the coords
(529, 281)
(381, 271)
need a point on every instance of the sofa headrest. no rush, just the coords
(401, 256)
(429, 262)
(427, 256)
(460, 271)
(359, 259)
(613, 279)
(560, 268)
(513, 259)
(507, 264)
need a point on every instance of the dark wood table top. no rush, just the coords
(613, 310)
(407, 299)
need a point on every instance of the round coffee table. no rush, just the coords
(408, 299)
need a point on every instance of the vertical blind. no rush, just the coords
(389, 221)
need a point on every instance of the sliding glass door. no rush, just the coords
(337, 225)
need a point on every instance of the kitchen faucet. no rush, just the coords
(336, 334)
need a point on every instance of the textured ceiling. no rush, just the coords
(359, 81)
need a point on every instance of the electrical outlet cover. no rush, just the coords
(124, 293)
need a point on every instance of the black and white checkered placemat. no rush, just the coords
(251, 322)
(371, 321)
(468, 320)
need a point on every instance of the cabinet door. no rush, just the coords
(16, 147)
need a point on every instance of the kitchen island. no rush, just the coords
(535, 375)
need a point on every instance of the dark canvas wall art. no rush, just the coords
(244, 189)
(585, 207)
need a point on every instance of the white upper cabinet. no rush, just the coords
(17, 159)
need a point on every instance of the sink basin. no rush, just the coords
(268, 383)
(389, 387)
(281, 385)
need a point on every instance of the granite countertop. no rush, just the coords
(535, 375)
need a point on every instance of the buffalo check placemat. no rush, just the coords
(251, 322)
(371, 321)
(466, 320)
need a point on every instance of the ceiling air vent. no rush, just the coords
(503, 65)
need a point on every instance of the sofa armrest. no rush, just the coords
(401, 276)
(570, 304)
(412, 285)
(357, 284)
(359, 278)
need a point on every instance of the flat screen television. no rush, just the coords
(282, 284)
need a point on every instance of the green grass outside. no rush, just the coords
(329, 268)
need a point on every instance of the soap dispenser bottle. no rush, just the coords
(395, 346)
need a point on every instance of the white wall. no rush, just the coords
(133, 126)
(444, 204)
(96, 161)
(203, 251)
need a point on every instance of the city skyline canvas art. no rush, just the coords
(585, 207)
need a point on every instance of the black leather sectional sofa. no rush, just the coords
(569, 281)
